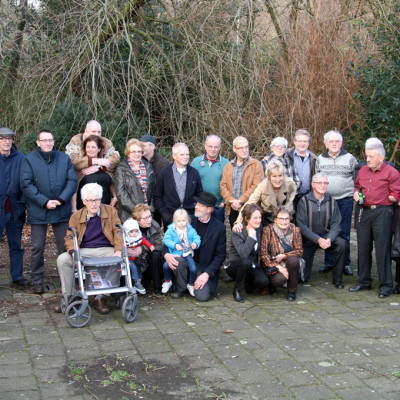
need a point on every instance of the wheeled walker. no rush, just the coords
(99, 276)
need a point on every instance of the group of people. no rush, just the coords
(89, 188)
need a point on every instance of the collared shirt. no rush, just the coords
(238, 171)
(379, 185)
(302, 165)
(94, 236)
(180, 179)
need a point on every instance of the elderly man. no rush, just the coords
(151, 155)
(304, 162)
(339, 166)
(81, 163)
(240, 177)
(177, 185)
(380, 186)
(48, 181)
(98, 236)
(210, 166)
(208, 257)
(318, 217)
(12, 207)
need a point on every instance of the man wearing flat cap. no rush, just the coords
(151, 155)
(12, 203)
(209, 256)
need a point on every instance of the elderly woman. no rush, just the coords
(275, 190)
(278, 152)
(92, 147)
(134, 180)
(243, 264)
(149, 261)
(281, 250)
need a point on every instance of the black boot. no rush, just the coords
(237, 296)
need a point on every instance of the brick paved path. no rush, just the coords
(329, 344)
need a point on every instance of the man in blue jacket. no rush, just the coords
(209, 256)
(48, 181)
(12, 204)
(176, 185)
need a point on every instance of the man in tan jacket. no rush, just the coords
(110, 159)
(240, 177)
(98, 236)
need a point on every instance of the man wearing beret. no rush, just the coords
(209, 256)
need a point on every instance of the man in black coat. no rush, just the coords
(209, 256)
(177, 185)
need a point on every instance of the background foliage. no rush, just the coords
(180, 69)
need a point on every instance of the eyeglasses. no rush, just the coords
(136, 151)
(283, 219)
(322, 183)
(46, 140)
(278, 146)
(147, 218)
(93, 201)
(6, 139)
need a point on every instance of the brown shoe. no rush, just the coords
(100, 306)
(57, 309)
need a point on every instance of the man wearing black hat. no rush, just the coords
(12, 204)
(209, 256)
(150, 154)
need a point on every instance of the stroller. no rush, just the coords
(96, 276)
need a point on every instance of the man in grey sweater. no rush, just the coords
(339, 166)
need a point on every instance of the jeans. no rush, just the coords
(192, 270)
(346, 211)
(135, 273)
(14, 232)
(38, 241)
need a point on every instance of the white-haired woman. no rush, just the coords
(278, 152)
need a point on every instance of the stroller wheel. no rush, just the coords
(78, 313)
(130, 308)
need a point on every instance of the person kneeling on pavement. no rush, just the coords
(98, 236)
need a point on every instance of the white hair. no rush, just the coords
(93, 188)
(279, 141)
(176, 146)
(213, 137)
(334, 132)
(375, 144)
(319, 175)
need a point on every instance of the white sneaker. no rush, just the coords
(166, 286)
(191, 289)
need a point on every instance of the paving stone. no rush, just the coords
(15, 370)
(12, 345)
(49, 362)
(362, 393)
(153, 347)
(383, 384)
(18, 395)
(43, 350)
(313, 354)
(280, 366)
(17, 357)
(112, 346)
(11, 383)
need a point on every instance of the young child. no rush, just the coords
(181, 238)
(134, 239)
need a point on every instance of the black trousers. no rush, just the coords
(374, 226)
(243, 273)
(278, 279)
(154, 271)
(338, 249)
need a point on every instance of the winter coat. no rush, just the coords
(171, 238)
(109, 220)
(317, 220)
(44, 177)
(128, 189)
(265, 196)
(253, 174)
(242, 246)
(10, 168)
